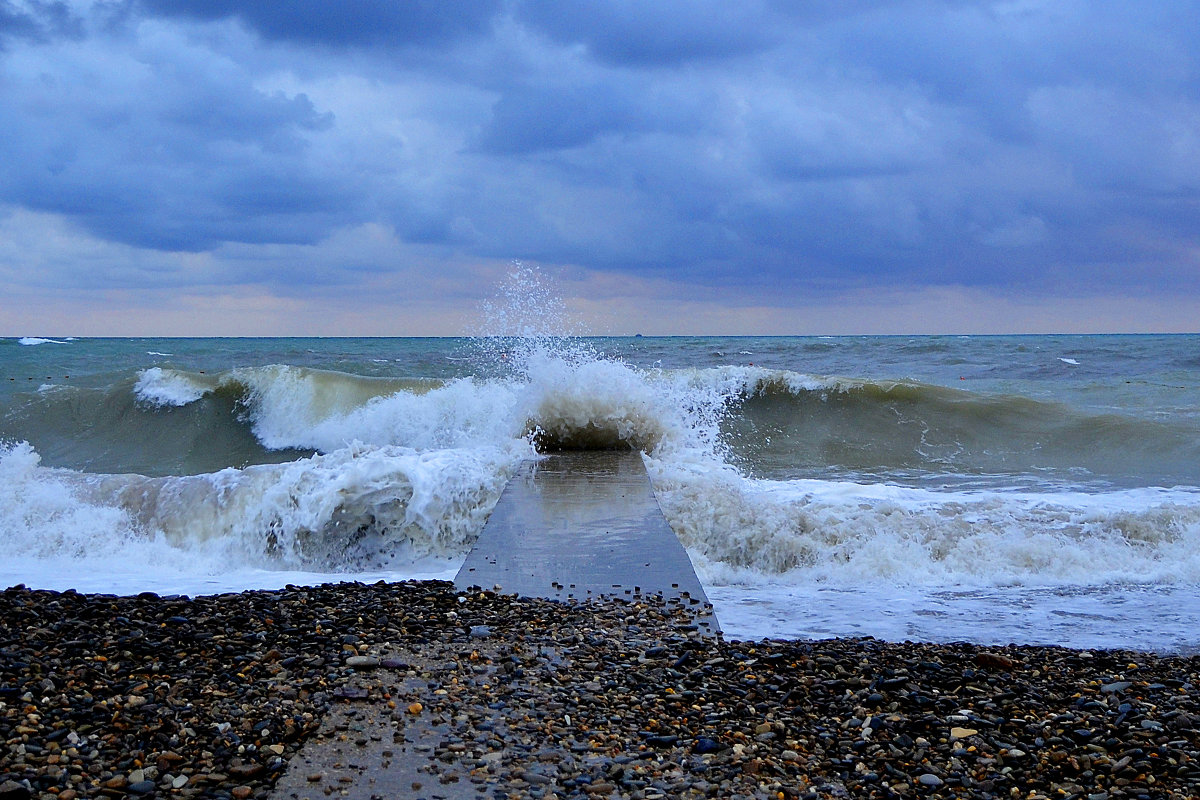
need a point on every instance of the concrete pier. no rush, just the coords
(578, 525)
(573, 526)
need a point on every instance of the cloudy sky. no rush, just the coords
(372, 167)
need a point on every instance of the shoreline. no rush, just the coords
(214, 696)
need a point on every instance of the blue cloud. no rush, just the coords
(164, 153)
(37, 20)
(346, 23)
(660, 33)
(714, 143)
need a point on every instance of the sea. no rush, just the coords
(992, 489)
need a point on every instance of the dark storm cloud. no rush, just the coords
(659, 33)
(764, 143)
(160, 148)
(348, 22)
(37, 21)
(552, 118)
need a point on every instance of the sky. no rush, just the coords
(374, 167)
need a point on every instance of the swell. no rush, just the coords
(556, 400)
(175, 422)
(887, 429)
(772, 424)
(110, 430)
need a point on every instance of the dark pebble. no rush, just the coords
(613, 699)
(661, 741)
(11, 790)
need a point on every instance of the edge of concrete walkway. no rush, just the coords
(579, 525)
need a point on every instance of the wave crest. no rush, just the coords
(159, 387)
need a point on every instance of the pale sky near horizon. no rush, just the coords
(222, 167)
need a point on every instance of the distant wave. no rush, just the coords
(789, 425)
(34, 340)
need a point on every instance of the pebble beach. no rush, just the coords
(419, 690)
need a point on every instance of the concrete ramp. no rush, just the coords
(578, 525)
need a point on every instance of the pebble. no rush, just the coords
(362, 662)
(613, 699)
(11, 790)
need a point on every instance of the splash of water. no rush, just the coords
(526, 321)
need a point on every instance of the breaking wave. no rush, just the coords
(747, 531)
(766, 475)
(360, 507)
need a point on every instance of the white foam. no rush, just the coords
(167, 387)
(565, 395)
(740, 530)
(34, 340)
(560, 391)
(816, 559)
(42, 517)
(747, 531)
(1070, 361)
(597, 402)
(1149, 617)
(132, 577)
(301, 408)
(402, 475)
(360, 504)
(361, 508)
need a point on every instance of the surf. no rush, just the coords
(239, 464)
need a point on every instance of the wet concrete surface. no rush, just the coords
(580, 525)
(372, 746)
